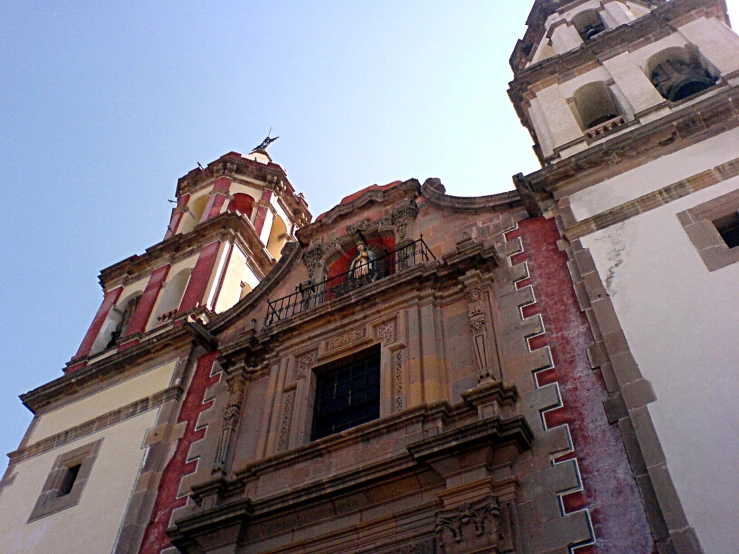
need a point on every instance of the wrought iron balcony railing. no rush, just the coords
(363, 271)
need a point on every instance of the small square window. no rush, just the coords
(347, 394)
(66, 480)
(713, 228)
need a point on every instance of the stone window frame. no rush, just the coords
(698, 222)
(363, 354)
(52, 499)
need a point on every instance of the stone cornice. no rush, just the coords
(473, 253)
(408, 189)
(435, 192)
(222, 226)
(711, 115)
(459, 434)
(99, 370)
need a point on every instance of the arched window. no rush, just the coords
(116, 324)
(171, 297)
(588, 24)
(595, 105)
(242, 203)
(277, 237)
(679, 73)
(194, 213)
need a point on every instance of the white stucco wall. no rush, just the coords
(682, 324)
(103, 402)
(94, 523)
(655, 175)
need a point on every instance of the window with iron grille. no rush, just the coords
(347, 394)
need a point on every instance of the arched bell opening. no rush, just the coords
(595, 105)
(277, 237)
(588, 24)
(679, 73)
(116, 324)
(242, 203)
(171, 297)
(193, 213)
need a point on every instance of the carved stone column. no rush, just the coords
(474, 283)
(237, 381)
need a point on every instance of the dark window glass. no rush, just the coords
(728, 228)
(347, 396)
(70, 476)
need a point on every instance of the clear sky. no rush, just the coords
(104, 105)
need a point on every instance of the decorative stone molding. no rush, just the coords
(345, 339)
(312, 257)
(479, 327)
(398, 380)
(231, 417)
(470, 528)
(305, 364)
(287, 411)
(398, 221)
(386, 332)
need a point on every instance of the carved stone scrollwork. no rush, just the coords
(402, 215)
(231, 416)
(287, 411)
(386, 332)
(470, 528)
(305, 364)
(312, 257)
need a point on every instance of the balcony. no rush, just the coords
(309, 295)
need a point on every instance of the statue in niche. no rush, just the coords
(363, 266)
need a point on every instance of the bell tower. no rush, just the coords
(226, 232)
(633, 108)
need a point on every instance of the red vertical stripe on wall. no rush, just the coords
(200, 277)
(148, 299)
(111, 297)
(222, 184)
(262, 212)
(155, 536)
(216, 205)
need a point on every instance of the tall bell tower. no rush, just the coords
(101, 464)
(227, 231)
(633, 108)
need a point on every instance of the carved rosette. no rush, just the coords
(231, 417)
(470, 528)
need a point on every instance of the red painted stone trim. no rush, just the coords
(177, 214)
(610, 491)
(223, 275)
(261, 216)
(214, 205)
(111, 297)
(148, 299)
(200, 276)
(155, 537)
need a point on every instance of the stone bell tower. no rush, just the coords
(100, 465)
(633, 108)
(227, 231)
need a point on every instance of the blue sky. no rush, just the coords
(103, 105)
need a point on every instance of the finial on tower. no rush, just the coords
(265, 143)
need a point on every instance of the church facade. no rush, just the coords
(546, 370)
